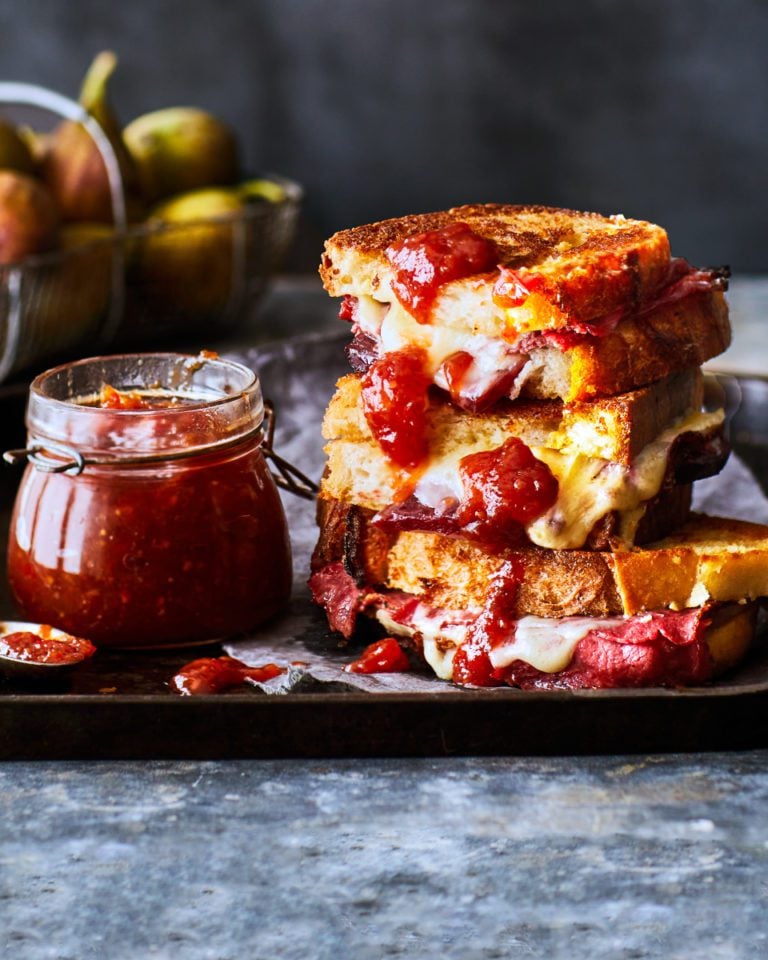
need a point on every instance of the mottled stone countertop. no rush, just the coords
(594, 857)
(600, 858)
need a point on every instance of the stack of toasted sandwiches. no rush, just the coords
(510, 462)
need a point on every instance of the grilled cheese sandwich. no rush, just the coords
(510, 465)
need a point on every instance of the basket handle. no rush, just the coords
(31, 95)
(28, 94)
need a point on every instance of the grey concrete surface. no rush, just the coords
(463, 858)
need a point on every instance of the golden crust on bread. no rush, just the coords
(524, 235)
(603, 261)
(620, 426)
(639, 351)
(709, 558)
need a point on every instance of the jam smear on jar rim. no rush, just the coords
(109, 398)
(425, 262)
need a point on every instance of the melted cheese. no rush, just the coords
(396, 329)
(441, 632)
(370, 314)
(441, 481)
(589, 488)
(548, 645)
(545, 644)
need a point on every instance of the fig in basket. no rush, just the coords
(179, 149)
(186, 258)
(72, 165)
(28, 218)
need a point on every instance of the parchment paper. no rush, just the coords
(299, 377)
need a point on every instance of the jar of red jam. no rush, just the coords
(147, 515)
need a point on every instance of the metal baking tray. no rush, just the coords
(88, 720)
(118, 705)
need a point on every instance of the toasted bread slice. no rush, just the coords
(592, 264)
(706, 559)
(638, 351)
(598, 308)
(613, 428)
(611, 458)
(641, 349)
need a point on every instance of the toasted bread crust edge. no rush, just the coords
(706, 559)
(354, 260)
(645, 349)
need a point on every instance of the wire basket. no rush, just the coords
(137, 286)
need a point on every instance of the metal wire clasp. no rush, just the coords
(72, 462)
(288, 477)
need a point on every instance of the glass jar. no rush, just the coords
(159, 526)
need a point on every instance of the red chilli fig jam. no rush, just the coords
(425, 262)
(169, 530)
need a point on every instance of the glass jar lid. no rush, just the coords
(210, 402)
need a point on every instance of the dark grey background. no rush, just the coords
(657, 109)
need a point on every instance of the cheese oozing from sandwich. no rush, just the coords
(589, 487)
(545, 644)
(659, 647)
(393, 328)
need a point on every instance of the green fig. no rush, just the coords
(254, 190)
(181, 149)
(14, 152)
(72, 165)
(28, 217)
(187, 260)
